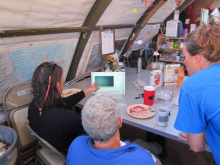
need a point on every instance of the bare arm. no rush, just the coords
(92, 88)
(196, 142)
(157, 163)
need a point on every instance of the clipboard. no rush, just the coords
(107, 41)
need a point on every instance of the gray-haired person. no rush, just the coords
(101, 120)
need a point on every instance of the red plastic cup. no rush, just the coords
(149, 94)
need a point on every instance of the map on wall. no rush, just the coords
(18, 65)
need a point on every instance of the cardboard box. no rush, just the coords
(171, 74)
(156, 78)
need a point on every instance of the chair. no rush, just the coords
(47, 155)
(15, 103)
(17, 96)
(27, 142)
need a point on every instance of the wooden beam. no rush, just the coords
(28, 32)
(94, 15)
(114, 27)
(142, 22)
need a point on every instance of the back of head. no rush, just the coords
(40, 83)
(205, 41)
(100, 117)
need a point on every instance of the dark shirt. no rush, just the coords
(58, 125)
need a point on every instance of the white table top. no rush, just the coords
(130, 93)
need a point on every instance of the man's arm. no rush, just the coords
(196, 142)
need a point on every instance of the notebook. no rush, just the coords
(112, 83)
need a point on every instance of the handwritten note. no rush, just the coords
(108, 41)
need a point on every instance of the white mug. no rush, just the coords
(162, 116)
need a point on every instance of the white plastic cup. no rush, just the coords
(162, 116)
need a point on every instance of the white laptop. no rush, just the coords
(112, 83)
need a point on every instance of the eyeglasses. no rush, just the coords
(53, 69)
(54, 66)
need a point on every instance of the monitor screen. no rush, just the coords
(105, 81)
(109, 82)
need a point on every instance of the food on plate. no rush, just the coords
(140, 111)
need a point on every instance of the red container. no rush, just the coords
(149, 94)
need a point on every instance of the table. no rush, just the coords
(130, 93)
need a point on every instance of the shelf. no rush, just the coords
(174, 38)
(181, 62)
(161, 41)
(172, 48)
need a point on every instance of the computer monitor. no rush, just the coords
(109, 82)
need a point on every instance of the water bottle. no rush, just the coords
(139, 64)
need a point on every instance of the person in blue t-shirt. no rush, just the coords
(199, 102)
(101, 120)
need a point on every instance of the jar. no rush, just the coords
(122, 66)
(168, 44)
(175, 45)
(116, 67)
(180, 76)
(181, 45)
(171, 44)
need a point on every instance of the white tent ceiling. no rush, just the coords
(34, 14)
(38, 14)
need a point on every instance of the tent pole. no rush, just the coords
(141, 23)
(90, 22)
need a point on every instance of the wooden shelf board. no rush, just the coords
(172, 48)
(175, 38)
(171, 61)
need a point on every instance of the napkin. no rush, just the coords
(139, 84)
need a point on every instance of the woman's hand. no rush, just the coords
(92, 88)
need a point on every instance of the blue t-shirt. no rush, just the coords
(199, 107)
(81, 152)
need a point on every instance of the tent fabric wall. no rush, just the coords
(146, 35)
(165, 10)
(120, 12)
(34, 14)
(37, 39)
(16, 52)
(89, 49)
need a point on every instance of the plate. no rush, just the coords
(141, 111)
(71, 91)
